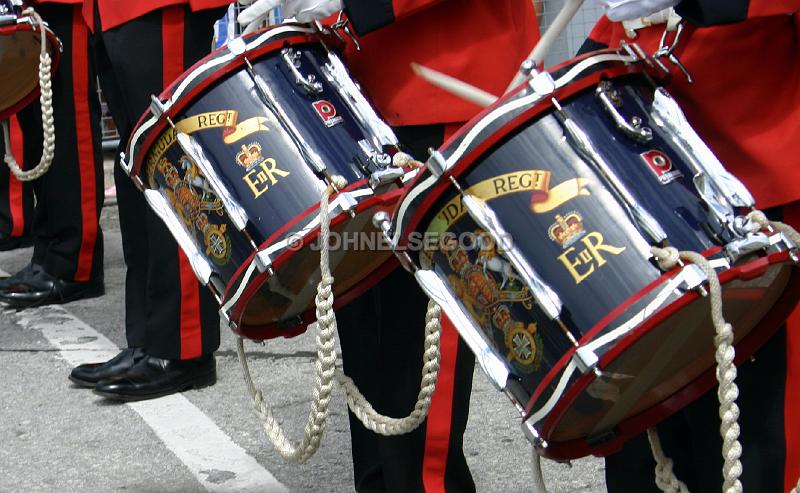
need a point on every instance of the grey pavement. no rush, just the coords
(56, 437)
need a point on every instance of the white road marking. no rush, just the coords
(174, 419)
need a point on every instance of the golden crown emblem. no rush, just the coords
(249, 155)
(567, 229)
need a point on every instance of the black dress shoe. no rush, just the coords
(13, 242)
(153, 377)
(89, 374)
(32, 286)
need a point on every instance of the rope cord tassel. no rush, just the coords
(326, 367)
(46, 102)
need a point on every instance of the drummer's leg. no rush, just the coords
(180, 316)
(168, 314)
(16, 197)
(382, 344)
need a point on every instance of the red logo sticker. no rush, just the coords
(660, 164)
(327, 112)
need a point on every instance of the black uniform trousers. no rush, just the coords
(167, 312)
(68, 241)
(382, 338)
(692, 440)
(16, 197)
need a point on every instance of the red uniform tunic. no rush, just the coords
(745, 99)
(477, 41)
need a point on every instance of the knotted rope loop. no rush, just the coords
(46, 102)
(665, 477)
(727, 391)
(760, 218)
(403, 160)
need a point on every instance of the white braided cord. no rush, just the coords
(665, 477)
(325, 364)
(761, 219)
(385, 425)
(46, 102)
(727, 391)
(326, 367)
(538, 477)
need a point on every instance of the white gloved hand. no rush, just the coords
(255, 16)
(302, 11)
(623, 10)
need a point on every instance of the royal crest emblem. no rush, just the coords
(250, 156)
(567, 229)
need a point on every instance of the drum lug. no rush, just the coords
(123, 162)
(384, 177)
(611, 101)
(226, 319)
(585, 359)
(372, 124)
(309, 82)
(237, 46)
(347, 202)
(436, 164)
(532, 434)
(753, 242)
(780, 242)
(137, 181)
(494, 366)
(157, 108)
(543, 84)
(267, 97)
(693, 278)
(263, 262)
(382, 221)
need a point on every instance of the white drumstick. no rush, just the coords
(455, 86)
(548, 38)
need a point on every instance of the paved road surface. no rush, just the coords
(55, 437)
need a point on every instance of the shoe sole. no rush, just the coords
(21, 305)
(199, 383)
(82, 383)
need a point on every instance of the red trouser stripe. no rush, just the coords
(15, 193)
(791, 409)
(172, 47)
(85, 146)
(440, 413)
